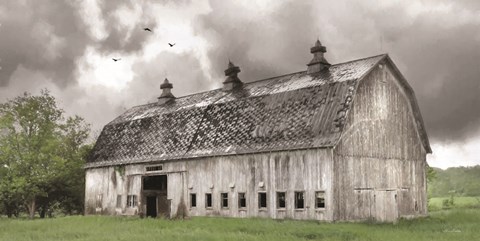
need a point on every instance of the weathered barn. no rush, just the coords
(335, 142)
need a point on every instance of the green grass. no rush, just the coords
(454, 224)
(459, 202)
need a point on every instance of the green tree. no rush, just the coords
(39, 151)
(431, 174)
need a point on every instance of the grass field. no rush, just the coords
(455, 224)
(436, 203)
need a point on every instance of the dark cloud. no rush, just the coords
(435, 43)
(438, 54)
(262, 44)
(437, 51)
(30, 29)
(445, 73)
(47, 36)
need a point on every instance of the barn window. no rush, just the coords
(224, 197)
(208, 200)
(99, 200)
(193, 200)
(131, 201)
(119, 201)
(281, 203)
(154, 168)
(262, 200)
(299, 200)
(320, 199)
(242, 200)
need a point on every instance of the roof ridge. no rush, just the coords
(355, 60)
(283, 75)
(256, 81)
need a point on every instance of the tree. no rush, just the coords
(431, 174)
(39, 151)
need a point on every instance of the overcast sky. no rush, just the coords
(68, 46)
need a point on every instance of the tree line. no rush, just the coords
(455, 181)
(42, 154)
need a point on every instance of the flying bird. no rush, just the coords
(147, 29)
(171, 45)
(114, 59)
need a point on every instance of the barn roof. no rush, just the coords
(293, 111)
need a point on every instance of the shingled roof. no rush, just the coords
(294, 111)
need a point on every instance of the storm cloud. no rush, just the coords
(45, 36)
(436, 44)
(67, 46)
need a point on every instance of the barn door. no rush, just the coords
(152, 206)
(385, 205)
(163, 206)
(363, 204)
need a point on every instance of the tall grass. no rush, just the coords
(455, 224)
(437, 203)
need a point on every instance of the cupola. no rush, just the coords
(318, 63)
(166, 95)
(232, 81)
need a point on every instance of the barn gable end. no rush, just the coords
(380, 157)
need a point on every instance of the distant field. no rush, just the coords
(454, 224)
(436, 203)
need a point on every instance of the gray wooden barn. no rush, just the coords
(338, 142)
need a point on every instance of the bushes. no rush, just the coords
(448, 203)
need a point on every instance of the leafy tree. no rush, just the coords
(40, 153)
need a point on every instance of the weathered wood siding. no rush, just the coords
(287, 171)
(109, 183)
(380, 162)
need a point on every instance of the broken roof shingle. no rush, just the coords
(293, 111)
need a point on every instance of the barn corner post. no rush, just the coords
(184, 197)
(85, 189)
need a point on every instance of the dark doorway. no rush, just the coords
(155, 192)
(152, 206)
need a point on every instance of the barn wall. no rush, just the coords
(102, 185)
(380, 161)
(289, 171)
